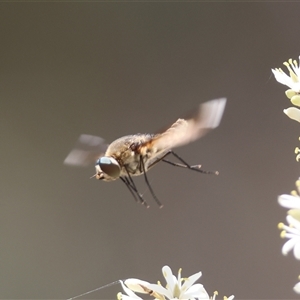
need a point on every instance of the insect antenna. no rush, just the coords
(148, 184)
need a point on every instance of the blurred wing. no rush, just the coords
(208, 116)
(86, 151)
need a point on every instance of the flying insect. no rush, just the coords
(134, 155)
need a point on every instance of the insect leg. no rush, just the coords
(133, 189)
(158, 160)
(125, 180)
(186, 165)
(148, 184)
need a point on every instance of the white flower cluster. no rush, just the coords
(176, 288)
(293, 82)
(291, 231)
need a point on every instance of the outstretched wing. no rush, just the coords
(86, 151)
(208, 116)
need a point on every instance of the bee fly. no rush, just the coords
(135, 154)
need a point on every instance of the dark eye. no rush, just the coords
(109, 166)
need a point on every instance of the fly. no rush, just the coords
(134, 155)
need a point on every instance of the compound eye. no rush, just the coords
(109, 166)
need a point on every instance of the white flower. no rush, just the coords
(180, 288)
(176, 288)
(130, 294)
(293, 113)
(292, 201)
(291, 81)
(297, 287)
(291, 232)
(224, 298)
(297, 152)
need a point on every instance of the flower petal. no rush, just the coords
(129, 292)
(297, 288)
(295, 213)
(288, 246)
(296, 100)
(161, 290)
(190, 281)
(291, 80)
(137, 285)
(293, 222)
(170, 278)
(134, 297)
(282, 77)
(289, 201)
(293, 113)
(195, 291)
(290, 93)
(297, 250)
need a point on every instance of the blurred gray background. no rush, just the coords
(112, 69)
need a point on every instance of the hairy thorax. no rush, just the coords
(129, 150)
